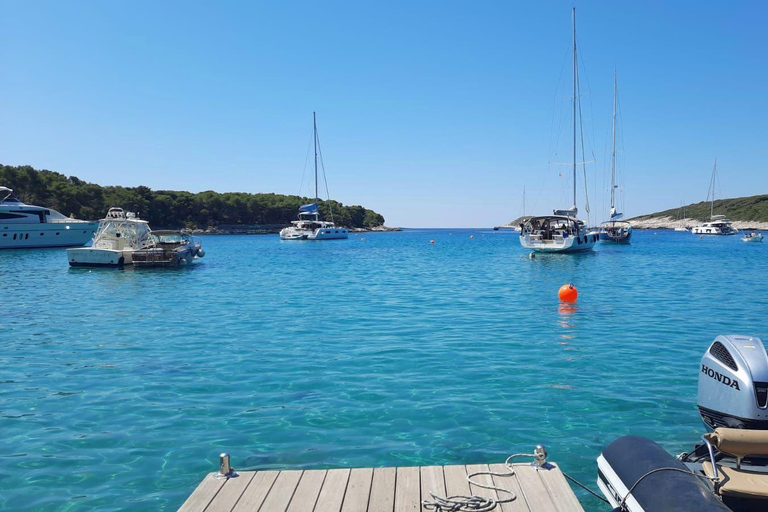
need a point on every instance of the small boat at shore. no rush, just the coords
(309, 226)
(718, 224)
(752, 238)
(682, 226)
(728, 470)
(24, 226)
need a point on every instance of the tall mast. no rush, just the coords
(314, 124)
(712, 204)
(574, 107)
(613, 151)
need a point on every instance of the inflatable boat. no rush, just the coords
(728, 469)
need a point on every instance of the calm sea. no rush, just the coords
(119, 388)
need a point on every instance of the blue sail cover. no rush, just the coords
(308, 208)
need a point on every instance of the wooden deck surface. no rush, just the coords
(379, 489)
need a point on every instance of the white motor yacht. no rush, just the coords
(309, 226)
(717, 225)
(119, 235)
(24, 226)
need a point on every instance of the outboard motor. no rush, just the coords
(733, 383)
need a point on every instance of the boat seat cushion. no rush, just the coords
(739, 442)
(738, 482)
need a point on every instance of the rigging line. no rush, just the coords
(591, 106)
(554, 102)
(325, 179)
(304, 171)
(583, 153)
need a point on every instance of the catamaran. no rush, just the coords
(615, 230)
(718, 224)
(309, 226)
(562, 231)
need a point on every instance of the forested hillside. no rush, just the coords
(170, 208)
(751, 208)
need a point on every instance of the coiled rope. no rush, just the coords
(476, 503)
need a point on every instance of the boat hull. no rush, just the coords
(38, 236)
(557, 244)
(317, 234)
(616, 239)
(89, 257)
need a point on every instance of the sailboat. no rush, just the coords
(615, 230)
(309, 226)
(562, 231)
(682, 226)
(718, 224)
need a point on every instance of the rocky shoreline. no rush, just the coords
(670, 223)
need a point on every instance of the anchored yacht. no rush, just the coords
(562, 231)
(119, 235)
(24, 226)
(309, 226)
(718, 224)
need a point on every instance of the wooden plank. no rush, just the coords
(558, 488)
(230, 493)
(332, 493)
(407, 490)
(382, 490)
(308, 490)
(282, 491)
(536, 493)
(456, 481)
(432, 482)
(476, 490)
(358, 490)
(256, 491)
(509, 483)
(203, 495)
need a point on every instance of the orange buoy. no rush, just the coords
(568, 293)
(431, 241)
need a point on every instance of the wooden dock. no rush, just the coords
(398, 489)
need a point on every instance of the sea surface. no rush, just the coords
(119, 388)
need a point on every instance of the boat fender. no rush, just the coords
(200, 253)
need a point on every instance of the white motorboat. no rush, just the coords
(615, 230)
(718, 224)
(167, 248)
(24, 226)
(309, 226)
(119, 235)
(562, 231)
(752, 238)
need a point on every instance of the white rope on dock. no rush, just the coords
(476, 503)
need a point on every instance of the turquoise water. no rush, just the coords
(120, 388)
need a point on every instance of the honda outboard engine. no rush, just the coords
(733, 383)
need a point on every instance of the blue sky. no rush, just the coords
(435, 114)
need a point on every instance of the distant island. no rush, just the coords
(746, 213)
(171, 209)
